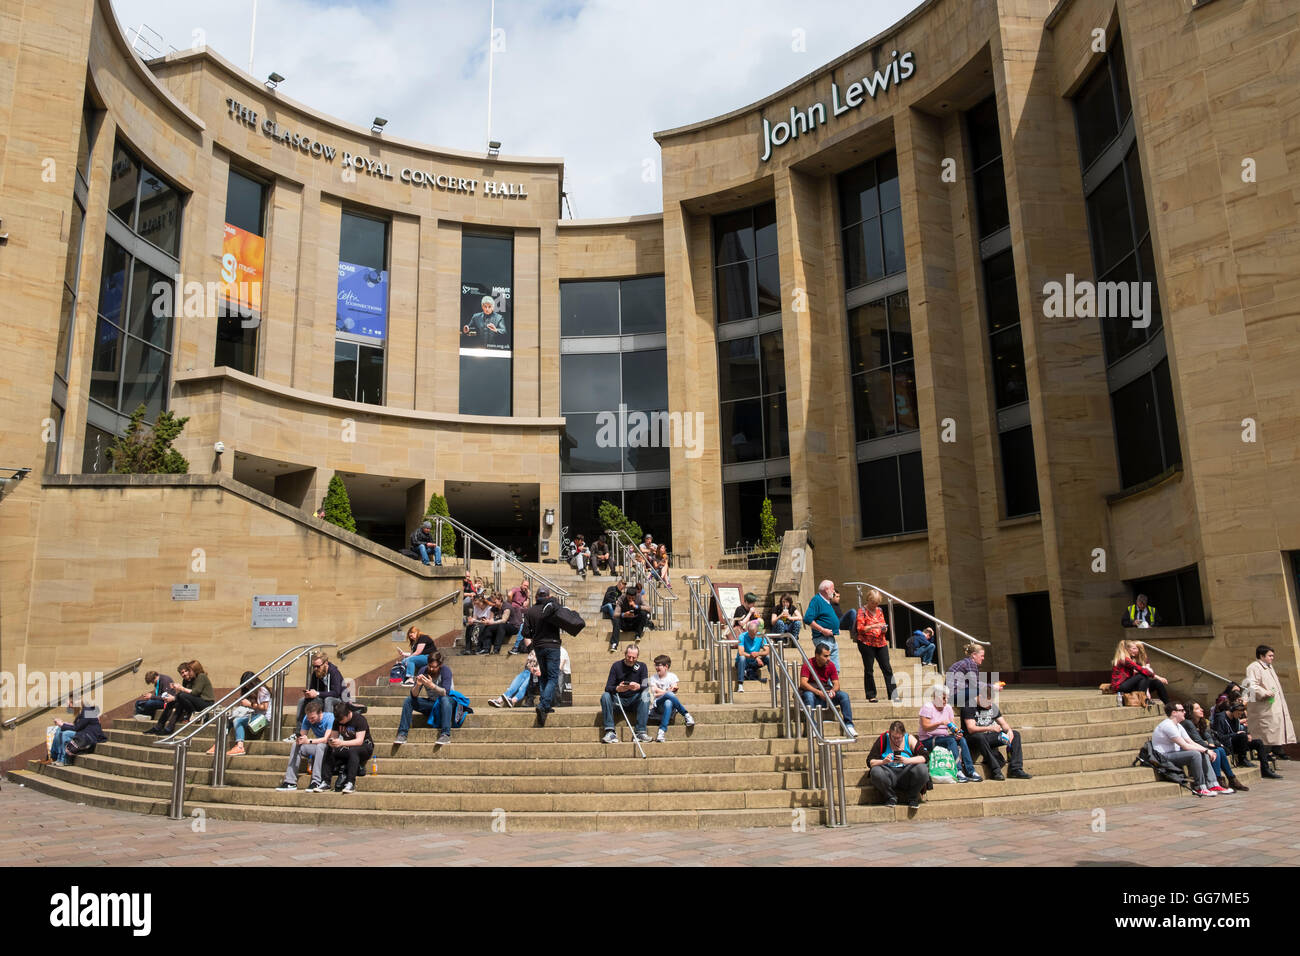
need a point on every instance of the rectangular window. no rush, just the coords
(361, 320)
(891, 495)
(1019, 477)
(244, 258)
(884, 375)
(871, 221)
(1176, 596)
(651, 508)
(747, 279)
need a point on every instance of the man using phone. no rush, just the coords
(825, 690)
(898, 767)
(629, 681)
(310, 743)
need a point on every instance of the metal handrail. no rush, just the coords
(379, 632)
(619, 542)
(179, 740)
(470, 536)
(1203, 670)
(893, 599)
(839, 718)
(100, 681)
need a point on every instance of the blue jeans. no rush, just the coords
(438, 711)
(548, 661)
(819, 640)
(61, 738)
(1221, 765)
(957, 747)
(519, 639)
(241, 727)
(788, 627)
(519, 685)
(607, 610)
(839, 698)
(925, 651)
(747, 667)
(642, 702)
(150, 706)
(437, 554)
(414, 663)
(668, 704)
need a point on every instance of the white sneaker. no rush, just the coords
(740, 688)
(690, 721)
(643, 737)
(852, 731)
(609, 738)
(1205, 793)
(660, 737)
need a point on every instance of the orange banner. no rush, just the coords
(242, 256)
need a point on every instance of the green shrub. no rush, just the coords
(612, 519)
(767, 522)
(438, 507)
(148, 451)
(338, 509)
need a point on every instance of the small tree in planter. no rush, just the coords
(767, 522)
(612, 519)
(148, 451)
(338, 509)
(438, 508)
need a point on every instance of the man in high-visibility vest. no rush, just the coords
(1140, 614)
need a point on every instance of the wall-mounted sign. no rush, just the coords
(375, 168)
(185, 592)
(851, 97)
(362, 301)
(275, 610)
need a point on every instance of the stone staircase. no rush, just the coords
(733, 769)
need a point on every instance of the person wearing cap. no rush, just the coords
(985, 727)
(422, 541)
(349, 746)
(921, 644)
(542, 633)
(823, 621)
(486, 321)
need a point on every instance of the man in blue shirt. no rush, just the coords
(751, 655)
(310, 742)
(823, 622)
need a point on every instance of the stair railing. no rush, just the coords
(500, 559)
(1197, 667)
(81, 691)
(939, 626)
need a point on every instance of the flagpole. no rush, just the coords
(491, 37)
(252, 36)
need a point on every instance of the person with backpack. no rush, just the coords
(1171, 741)
(430, 696)
(921, 644)
(349, 747)
(898, 767)
(76, 737)
(542, 631)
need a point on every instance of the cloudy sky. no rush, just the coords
(585, 80)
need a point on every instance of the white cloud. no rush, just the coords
(589, 82)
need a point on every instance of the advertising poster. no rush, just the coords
(362, 300)
(485, 325)
(242, 259)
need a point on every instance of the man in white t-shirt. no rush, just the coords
(1172, 741)
(663, 696)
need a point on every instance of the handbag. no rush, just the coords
(1135, 698)
(258, 723)
(569, 620)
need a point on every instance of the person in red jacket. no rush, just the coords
(1129, 671)
(873, 646)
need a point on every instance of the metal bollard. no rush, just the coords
(219, 754)
(177, 808)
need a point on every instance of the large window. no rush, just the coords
(891, 495)
(748, 277)
(1142, 405)
(487, 324)
(1176, 596)
(883, 369)
(362, 317)
(614, 398)
(742, 508)
(871, 221)
(1002, 307)
(131, 360)
(243, 259)
(751, 384)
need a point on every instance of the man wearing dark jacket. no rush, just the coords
(629, 680)
(422, 543)
(540, 627)
(326, 682)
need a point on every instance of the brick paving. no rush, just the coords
(1258, 828)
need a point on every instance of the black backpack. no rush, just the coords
(1165, 769)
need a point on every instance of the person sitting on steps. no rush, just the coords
(752, 650)
(421, 646)
(1129, 671)
(580, 558)
(600, 557)
(938, 729)
(786, 618)
(496, 630)
(986, 731)
(663, 696)
(1197, 726)
(1172, 741)
(254, 703)
(824, 668)
(326, 684)
(631, 615)
(898, 767)
(518, 688)
(309, 744)
(152, 700)
(429, 697)
(628, 680)
(1232, 734)
(480, 615)
(349, 747)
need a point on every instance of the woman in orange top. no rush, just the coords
(869, 632)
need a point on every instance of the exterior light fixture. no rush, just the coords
(550, 516)
(378, 125)
(274, 80)
(494, 147)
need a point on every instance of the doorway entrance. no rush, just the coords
(506, 513)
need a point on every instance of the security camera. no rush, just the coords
(219, 447)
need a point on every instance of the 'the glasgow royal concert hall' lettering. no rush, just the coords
(372, 167)
(775, 135)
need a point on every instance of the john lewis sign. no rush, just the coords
(776, 135)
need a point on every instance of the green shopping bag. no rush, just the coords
(943, 765)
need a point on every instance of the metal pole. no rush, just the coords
(492, 29)
(841, 799)
(177, 809)
(219, 754)
(892, 636)
(277, 705)
(252, 35)
(826, 784)
(938, 645)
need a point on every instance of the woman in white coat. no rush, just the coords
(1269, 717)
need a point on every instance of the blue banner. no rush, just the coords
(362, 300)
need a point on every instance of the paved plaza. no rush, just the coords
(1259, 828)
